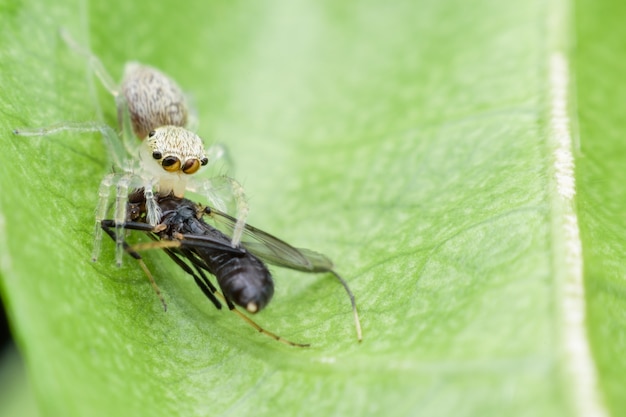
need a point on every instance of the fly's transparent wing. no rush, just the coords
(313, 261)
(270, 248)
(209, 242)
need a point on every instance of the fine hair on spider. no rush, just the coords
(198, 247)
(155, 150)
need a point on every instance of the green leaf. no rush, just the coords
(416, 143)
(600, 64)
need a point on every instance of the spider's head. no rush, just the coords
(175, 150)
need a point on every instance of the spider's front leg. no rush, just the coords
(213, 188)
(153, 211)
(122, 183)
(121, 198)
(101, 211)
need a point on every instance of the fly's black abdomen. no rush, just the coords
(244, 280)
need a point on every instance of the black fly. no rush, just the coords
(197, 247)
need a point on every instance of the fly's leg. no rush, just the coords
(206, 286)
(106, 226)
(211, 289)
(256, 326)
(201, 281)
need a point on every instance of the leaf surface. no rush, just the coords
(411, 142)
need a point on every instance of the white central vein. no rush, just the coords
(579, 367)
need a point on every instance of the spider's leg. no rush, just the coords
(101, 210)
(153, 210)
(211, 187)
(121, 199)
(93, 61)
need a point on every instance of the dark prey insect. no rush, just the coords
(196, 247)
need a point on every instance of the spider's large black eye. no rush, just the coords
(152, 133)
(169, 161)
(157, 155)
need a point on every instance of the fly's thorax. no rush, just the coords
(153, 99)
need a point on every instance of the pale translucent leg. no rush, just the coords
(220, 161)
(122, 183)
(128, 138)
(119, 217)
(121, 159)
(242, 210)
(93, 61)
(101, 211)
(112, 141)
(192, 114)
(216, 151)
(153, 211)
(209, 188)
(119, 148)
